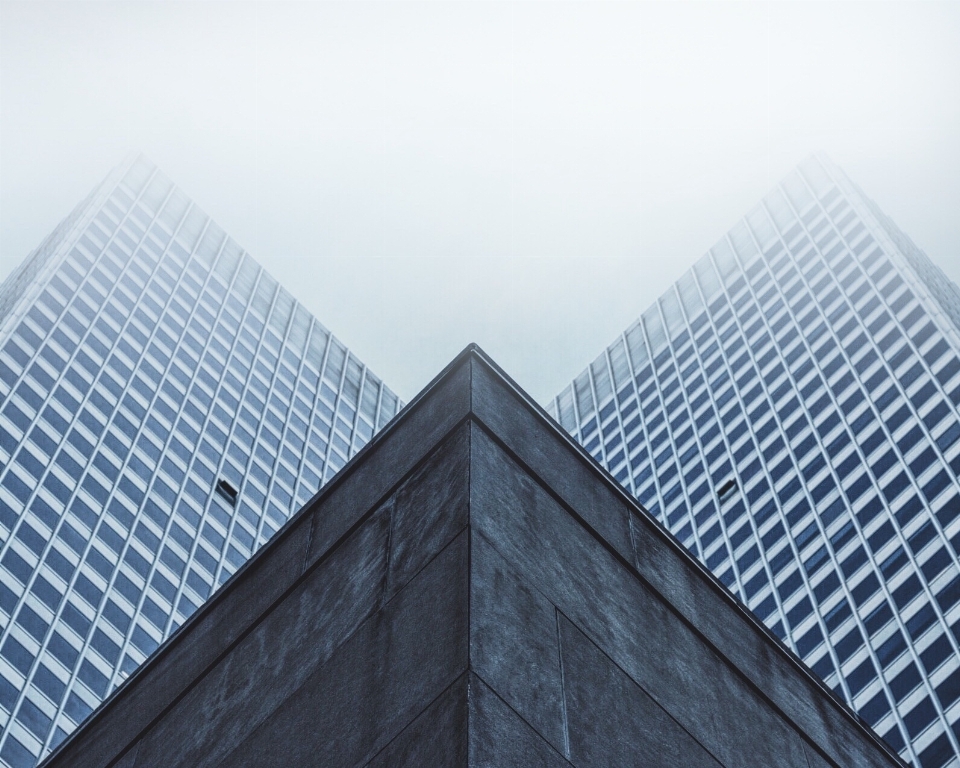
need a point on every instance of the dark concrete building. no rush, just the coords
(473, 589)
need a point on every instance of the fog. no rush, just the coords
(527, 176)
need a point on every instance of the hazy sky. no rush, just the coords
(527, 176)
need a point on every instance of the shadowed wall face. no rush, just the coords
(451, 600)
(364, 642)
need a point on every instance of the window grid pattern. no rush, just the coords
(144, 357)
(789, 411)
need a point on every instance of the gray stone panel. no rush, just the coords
(551, 455)
(437, 738)
(612, 721)
(278, 656)
(499, 737)
(430, 508)
(513, 642)
(642, 634)
(377, 682)
(400, 447)
(816, 760)
(129, 760)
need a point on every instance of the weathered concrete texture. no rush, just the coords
(612, 720)
(514, 643)
(277, 657)
(377, 682)
(472, 590)
(629, 622)
(500, 738)
(436, 738)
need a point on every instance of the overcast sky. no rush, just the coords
(526, 176)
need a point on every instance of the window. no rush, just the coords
(905, 682)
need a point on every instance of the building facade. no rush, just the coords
(566, 628)
(164, 407)
(789, 410)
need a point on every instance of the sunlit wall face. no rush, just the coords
(165, 406)
(789, 410)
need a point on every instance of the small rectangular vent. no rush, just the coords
(227, 491)
(726, 489)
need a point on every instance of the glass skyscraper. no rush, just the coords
(164, 407)
(789, 410)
